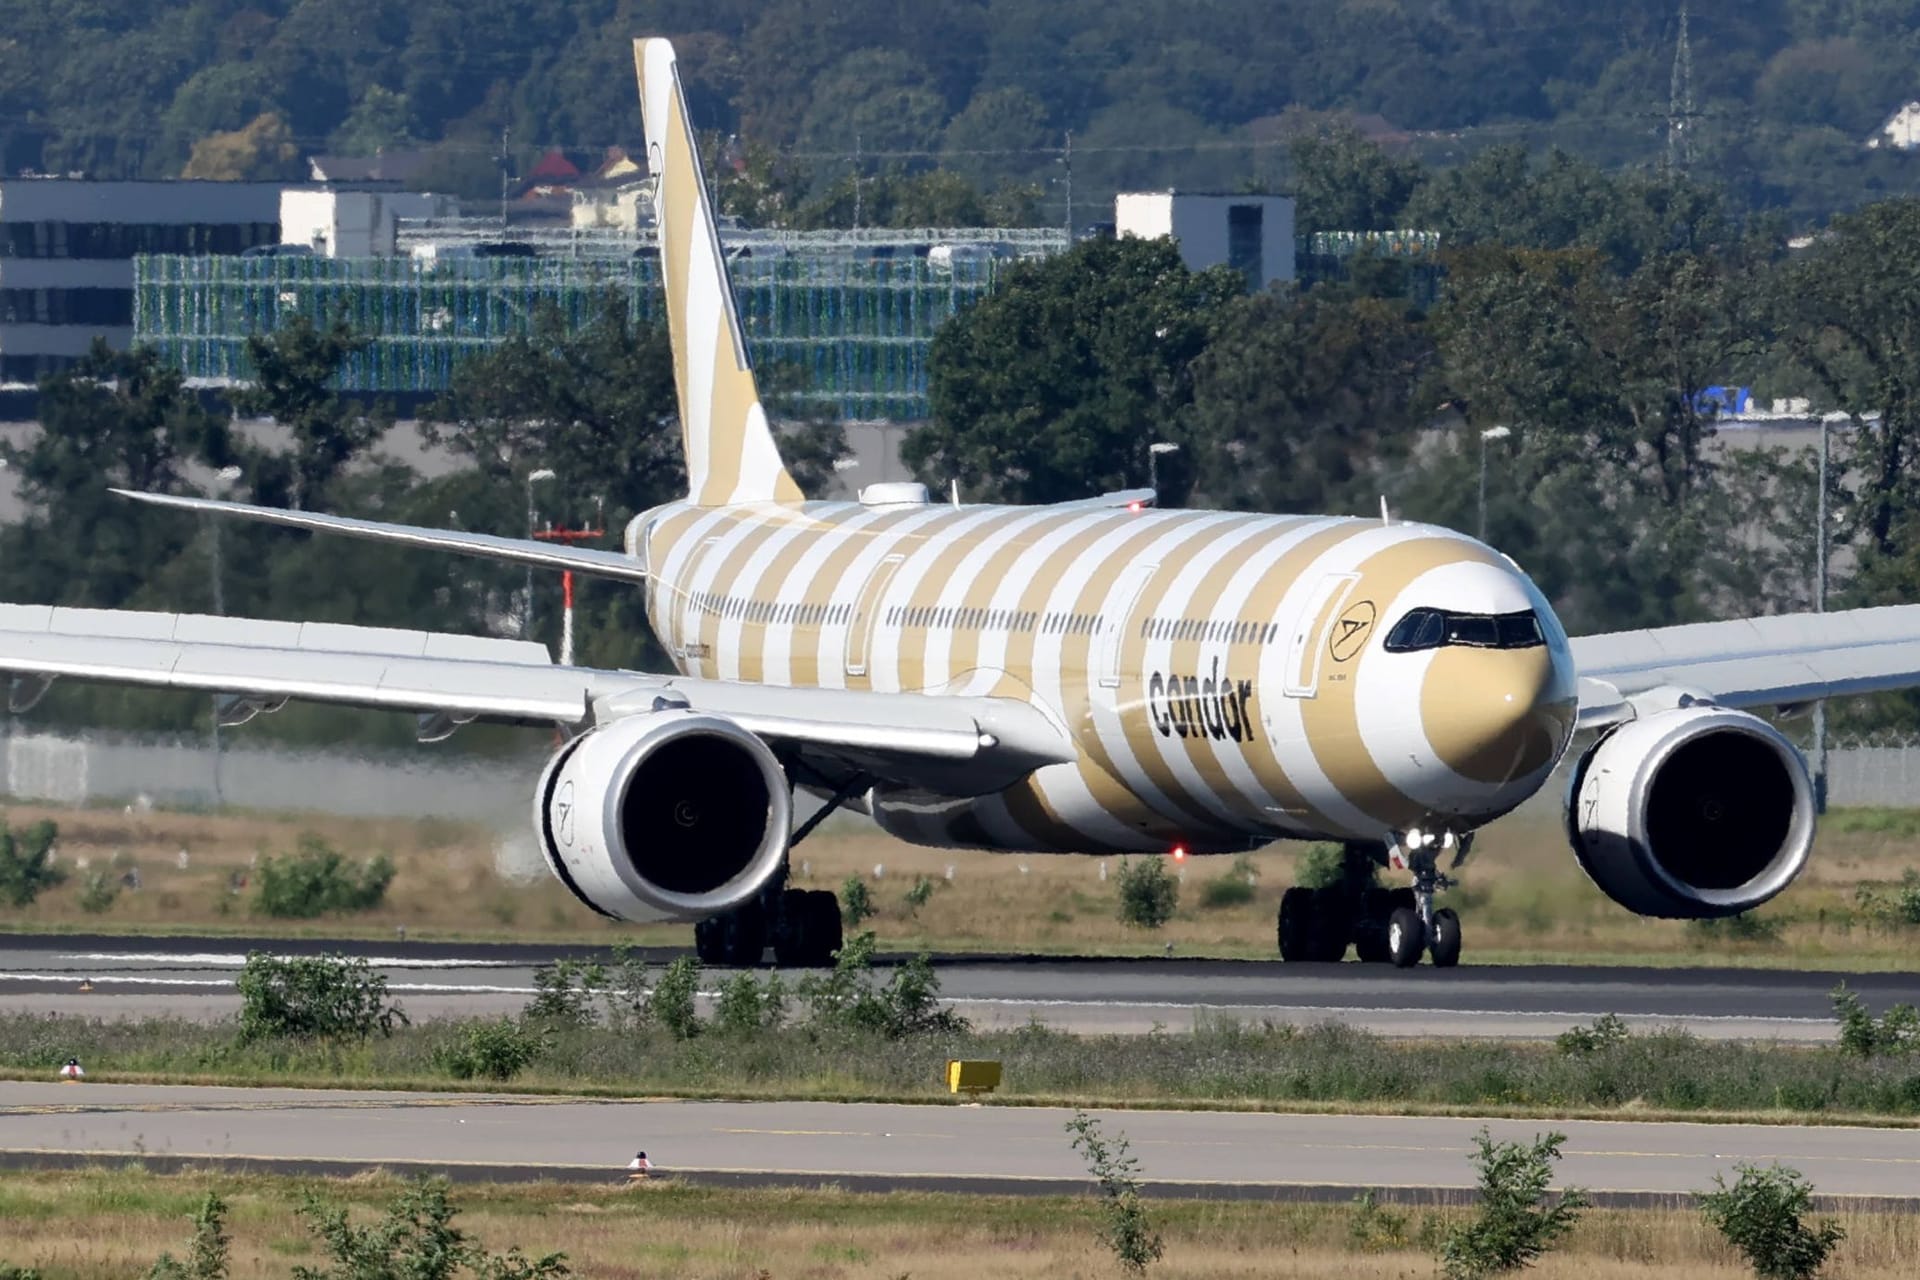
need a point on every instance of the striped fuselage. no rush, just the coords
(1221, 674)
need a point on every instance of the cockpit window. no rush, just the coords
(1437, 628)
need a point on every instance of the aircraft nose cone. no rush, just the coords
(1495, 715)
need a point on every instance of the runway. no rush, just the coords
(985, 1149)
(193, 977)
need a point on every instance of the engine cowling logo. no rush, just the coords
(1350, 631)
(563, 813)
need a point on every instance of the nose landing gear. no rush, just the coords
(1418, 926)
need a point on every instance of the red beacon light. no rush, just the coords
(1179, 853)
(1136, 505)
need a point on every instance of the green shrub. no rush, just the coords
(921, 893)
(670, 1003)
(1148, 895)
(26, 865)
(856, 904)
(493, 1049)
(317, 879)
(1230, 890)
(1321, 866)
(744, 1007)
(1899, 908)
(1745, 927)
(1607, 1030)
(98, 892)
(313, 998)
(1864, 1036)
(1513, 1224)
(415, 1240)
(908, 1005)
(563, 993)
(1124, 1225)
(1372, 1229)
(8, 1272)
(207, 1256)
(1764, 1215)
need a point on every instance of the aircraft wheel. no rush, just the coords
(1296, 918)
(1370, 930)
(1406, 937)
(738, 938)
(1445, 947)
(1332, 926)
(808, 931)
(823, 909)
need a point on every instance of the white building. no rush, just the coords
(355, 224)
(67, 249)
(1252, 234)
(1901, 131)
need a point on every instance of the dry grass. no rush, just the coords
(113, 1223)
(1524, 899)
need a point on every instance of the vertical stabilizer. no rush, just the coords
(730, 451)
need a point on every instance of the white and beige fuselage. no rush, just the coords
(1223, 676)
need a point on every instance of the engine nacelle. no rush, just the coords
(1691, 813)
(672, 815)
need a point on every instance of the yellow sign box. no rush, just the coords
(972, 1077)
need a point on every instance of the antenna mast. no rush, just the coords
(1680, 113)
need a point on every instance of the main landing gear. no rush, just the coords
(1397, 925)
(803, 925)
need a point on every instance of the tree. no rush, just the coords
(1513, 1224)
(1301, 399)
(1343, 182)
(1054, 386)
(1764, 1215)
(263, 150)
(294, 372)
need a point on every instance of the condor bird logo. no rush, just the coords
(1350, 631)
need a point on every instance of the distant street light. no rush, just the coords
(1486, 437)
(526, 617)
(1154, 451)
(227, 477)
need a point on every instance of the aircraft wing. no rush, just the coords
(978, 744)
(1784, 660)
(604, 564)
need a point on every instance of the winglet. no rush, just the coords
(731, 456)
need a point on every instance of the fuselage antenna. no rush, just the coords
(955, 482)
(1386, 520)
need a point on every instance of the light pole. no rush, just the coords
(1154, 451)
(226, 477)
(1487, 437)
(1820, 606)
(526, 616)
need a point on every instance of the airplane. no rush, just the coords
(1095, 676)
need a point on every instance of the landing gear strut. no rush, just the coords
(803, 925)
(1397, 925)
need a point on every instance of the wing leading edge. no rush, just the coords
(958, 744)
(1784, 660)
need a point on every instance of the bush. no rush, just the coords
(1606, 1031)
(1513, 1224)
(1322, 866)
(495, 1049)
(909, 1005)
(415, 1240)
(1898, 909)
(746, 1008)
(1764, 1215)
(1230, 890)
(1864, 1036)
(1148, 895)
(856, 904)
(317, 879)
(563, 993)
(98, 892)
(1124, 1225)
(921, 893)
(1745, 927)
(313, 998)
(1372, 1229)
(207, 1256)
(670, 1003)
(26, 863)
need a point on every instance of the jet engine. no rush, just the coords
(670, 815)
(1691, 813)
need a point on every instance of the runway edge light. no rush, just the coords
(972, 1078)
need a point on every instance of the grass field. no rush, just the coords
(1523, 898)
(113, 1223)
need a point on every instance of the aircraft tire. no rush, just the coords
(1445, 947)
(1406, 937)
(823, 911)
(1370, 930)
(737, 939)
(1296, 915)
(1331, 926)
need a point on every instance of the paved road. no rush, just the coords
(194, 977)
(980, 1148)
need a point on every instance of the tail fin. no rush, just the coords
(730, 451)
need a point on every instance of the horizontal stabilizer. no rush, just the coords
(601, 564)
